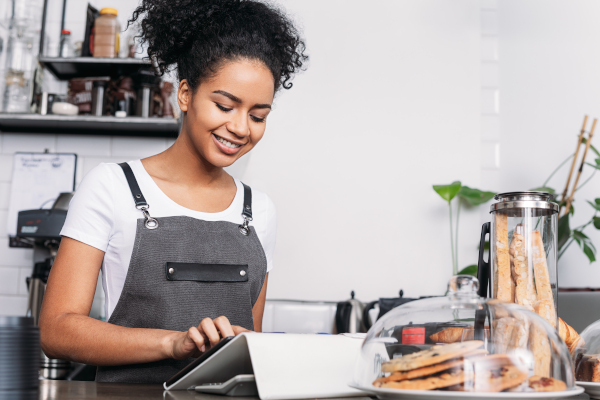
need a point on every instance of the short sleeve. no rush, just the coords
(90, 216)
(270, 233)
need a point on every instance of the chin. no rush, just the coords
(222, 161)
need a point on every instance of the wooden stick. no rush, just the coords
(564, 193)
(587, 147)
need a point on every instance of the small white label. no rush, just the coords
(29, 229)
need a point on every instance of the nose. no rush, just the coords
(238, 125)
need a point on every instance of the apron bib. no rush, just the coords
(183, 270)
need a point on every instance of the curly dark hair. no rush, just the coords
(199, 36)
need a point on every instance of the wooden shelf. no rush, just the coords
(89, 125)
(87, 67)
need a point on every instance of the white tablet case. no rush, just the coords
(285, 366)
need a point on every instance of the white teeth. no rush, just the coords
(227, 143)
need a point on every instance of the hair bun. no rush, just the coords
(197, 36)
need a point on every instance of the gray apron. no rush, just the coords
(183, 270)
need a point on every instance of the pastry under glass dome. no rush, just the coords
(462, 345)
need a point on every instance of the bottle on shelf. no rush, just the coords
(106, 34)
(66, 47)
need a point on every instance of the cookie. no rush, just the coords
(419, 372)
(544, 384)
(452, 334)
(434, 355)
(430, 370)
(495, 379)
(442, 380)
(492, 361)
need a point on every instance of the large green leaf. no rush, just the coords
(596, 205)
(589, 252)
(564, 230)
(469, 270)
(448, 192)
(597, 222)
(475, 197)
(584, 141)
(543, 189)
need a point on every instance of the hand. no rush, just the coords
(199, 339)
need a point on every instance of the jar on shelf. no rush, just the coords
(106, 34)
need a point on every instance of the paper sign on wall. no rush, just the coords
(37, 180)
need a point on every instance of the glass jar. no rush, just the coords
(106, 34)
(462, 345)
(523, 258)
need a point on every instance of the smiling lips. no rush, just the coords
(226, 146)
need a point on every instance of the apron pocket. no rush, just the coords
(176, 271)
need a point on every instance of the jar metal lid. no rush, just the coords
(109, 10)
(526, 199)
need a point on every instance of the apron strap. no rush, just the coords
(138, 197)
(247, 210)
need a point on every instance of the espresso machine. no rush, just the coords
(40, 229)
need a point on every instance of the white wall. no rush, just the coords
(389, 106)
(548, 80)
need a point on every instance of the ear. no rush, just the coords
(184, 95)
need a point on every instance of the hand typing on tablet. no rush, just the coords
(196, 340)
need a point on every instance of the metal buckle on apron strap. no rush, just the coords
(150, 223)
(244, 228)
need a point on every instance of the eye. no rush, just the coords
(257, 119)
(225, 109)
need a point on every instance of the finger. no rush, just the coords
(196, 337)
(222, 323)
(208, 326)
(238, 329)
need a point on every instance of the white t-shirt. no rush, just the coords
(102, 214)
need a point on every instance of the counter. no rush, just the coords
(75, 390)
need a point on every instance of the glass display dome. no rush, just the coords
(462, 345)
(586, 357)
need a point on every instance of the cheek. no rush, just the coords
(258, 133)
(207, 117)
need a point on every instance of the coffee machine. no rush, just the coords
(40, 229)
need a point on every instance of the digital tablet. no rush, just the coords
(191, 366)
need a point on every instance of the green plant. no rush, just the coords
(464, 195)
(566, 234)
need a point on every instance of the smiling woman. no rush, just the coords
(193, 269)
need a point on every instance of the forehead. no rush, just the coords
(249, 80)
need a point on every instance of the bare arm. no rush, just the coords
(67, 332)
(259, 307)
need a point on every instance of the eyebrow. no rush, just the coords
(238, 100)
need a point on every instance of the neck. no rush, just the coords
(182, 162)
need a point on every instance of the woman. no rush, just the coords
(184, 248)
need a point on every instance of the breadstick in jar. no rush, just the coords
(525, 294)
(503, 284)
(542, 278)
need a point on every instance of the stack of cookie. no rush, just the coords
(464, 366)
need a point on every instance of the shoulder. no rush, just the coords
(103, 174)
